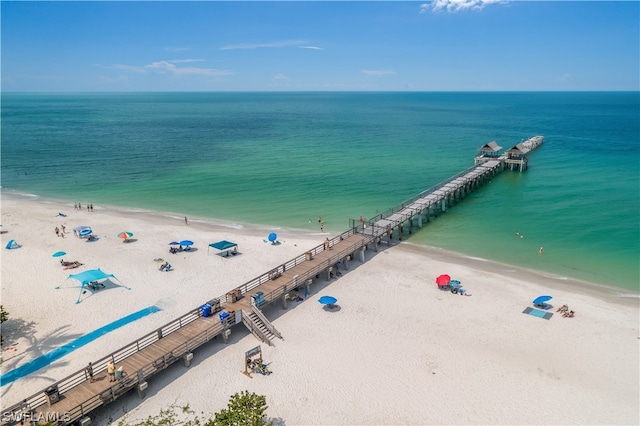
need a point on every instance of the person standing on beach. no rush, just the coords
(89, 371)
(111, 371)
(57, 232)
(186, 222)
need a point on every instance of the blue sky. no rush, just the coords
(442, 45)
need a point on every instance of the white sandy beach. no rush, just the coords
(398, 351)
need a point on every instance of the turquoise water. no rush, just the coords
(56, 354)
(280, 159)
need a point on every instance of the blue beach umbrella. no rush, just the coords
(272, 237)
(455, 283)
(327, 300)
(541, 299)
(186, 243)
(85, 232)
(59, 253)
(174, 243)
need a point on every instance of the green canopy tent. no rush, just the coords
(224, 248)
(92, 275)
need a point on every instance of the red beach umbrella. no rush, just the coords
(443, 280)
(125, 235)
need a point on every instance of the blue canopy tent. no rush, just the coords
(90, 276)
(223, 246)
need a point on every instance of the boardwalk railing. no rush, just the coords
(118, 356)
(316, 270)
(276, 272)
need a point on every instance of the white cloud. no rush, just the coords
(377, 72)
(177, 49)
(311, 47)
(170, 67)
(126, 68)
(275, 44)
(161, 66)
(120, 79)
(183, 61)
(280, 77)
(457, 5)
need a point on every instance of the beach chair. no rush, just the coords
(95, 285)
(257, 366)
(263, 369)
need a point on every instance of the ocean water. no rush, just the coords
(277, 160)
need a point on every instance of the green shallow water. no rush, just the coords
(280, 159)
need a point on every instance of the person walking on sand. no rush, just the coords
(89, 371)
(57, 232)
(186, 221)
(111, 371)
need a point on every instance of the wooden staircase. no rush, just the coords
(260, 326)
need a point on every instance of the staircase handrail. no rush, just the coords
(265, 321)
(247, 321)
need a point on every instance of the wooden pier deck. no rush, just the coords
(74, 397)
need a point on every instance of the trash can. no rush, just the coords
(223, 316)
(308, 256)
(52, 394)
(205, 310)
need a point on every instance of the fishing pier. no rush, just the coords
(73, 398)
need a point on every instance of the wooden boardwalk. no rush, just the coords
(74, 397)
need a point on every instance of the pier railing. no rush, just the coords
(399, 207)
(276, 272)
(120, 355)
(301, 278)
